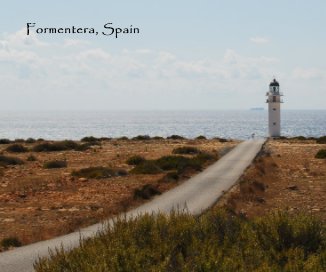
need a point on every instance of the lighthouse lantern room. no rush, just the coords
(274, 109)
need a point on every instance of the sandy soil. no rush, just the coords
(38, 204)
(286, 175)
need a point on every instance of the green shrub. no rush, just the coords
(19, 141)
(98, 172)
(16, 148)
(55, 164)
(175, 137)
(215, 241)
(321, 140)
(201, 137)
(85, 146)
(90, 139)
(146, 167)
(105, 139)
(146, 192)
(123, 138)
(321, 154)
(7, 160)
(186, 150)
(205, 157)
(171, 177)
(142, 138)
(10, 242)
(157, 138)
(135, 160)
(5, 141)
(31, 158)
(30, 141)
(178, 163)
(59, 146)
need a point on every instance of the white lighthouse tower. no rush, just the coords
(274, 109)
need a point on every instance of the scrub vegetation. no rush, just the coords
(216, 241)
(178, 163)
(60, 146)
(55, 164)
(321, 154)
(8, 160)
(98, 172)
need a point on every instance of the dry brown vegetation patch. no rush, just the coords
(286, 175)
(38, 203)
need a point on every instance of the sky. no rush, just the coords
(189, 55)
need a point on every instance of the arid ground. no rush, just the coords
(38, 203)
(286, 175)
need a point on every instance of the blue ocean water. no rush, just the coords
(227, 123)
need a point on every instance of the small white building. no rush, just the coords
(274, 109)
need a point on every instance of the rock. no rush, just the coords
(8, 220)
(260, 199)
(83, 179)
(100, 210)
(292, 187)
(22, 195)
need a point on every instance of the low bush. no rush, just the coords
(16, 148)
(30, 141)
(321, 140)
(135, 160)
(59, 146)
(98, 172)
(10, 242)
(105, 139)
(170, 177)
(19, 141)
(178, 163)
(321, 154)
(157, 138)
(201, 137)
(146, 192)
(90, 139)
(85, 146)
(215, 241)
(5, 141)
(205, 157)
(175, 137)
(7, 160)
(55, 164)
(123, 138)
(146, 167)
(31, 158)
(142, 138)
(186, 150)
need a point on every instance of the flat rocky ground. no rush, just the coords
(38, 204)
(286, 176)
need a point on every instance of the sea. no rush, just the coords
(235, 124)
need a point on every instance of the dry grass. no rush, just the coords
(38, 203)
(286, 176)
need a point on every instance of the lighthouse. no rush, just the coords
(274, 109)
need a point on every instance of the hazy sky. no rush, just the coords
(188, 55)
